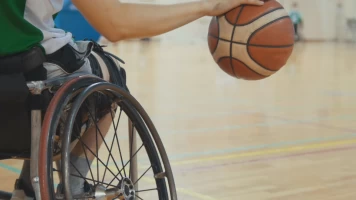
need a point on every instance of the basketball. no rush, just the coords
(252, 42)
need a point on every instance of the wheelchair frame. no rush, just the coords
(38, 137)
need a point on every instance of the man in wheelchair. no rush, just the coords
(33, 49)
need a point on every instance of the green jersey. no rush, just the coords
(27, 23)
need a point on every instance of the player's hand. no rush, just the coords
(219, 7)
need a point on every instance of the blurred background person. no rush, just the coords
(297, 19)
(340, 22)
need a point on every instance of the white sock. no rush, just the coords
(77, 182)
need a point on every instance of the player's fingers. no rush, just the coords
(253, 2)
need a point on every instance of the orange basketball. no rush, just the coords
(252, 42)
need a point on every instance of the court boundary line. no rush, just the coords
(322, 151)
(268, 152)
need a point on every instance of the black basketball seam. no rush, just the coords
(213, 51)
(253, 20)
(256, 45)
(217, 21)
(244, 64)
(250, 68)
(280, 8)
(218, 61)
(249, 39)
(230, 11)
(232, 38)
(223, 58)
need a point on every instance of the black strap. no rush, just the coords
(22, 62)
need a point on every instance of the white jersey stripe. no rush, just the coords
(40, 14)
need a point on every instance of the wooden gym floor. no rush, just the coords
(289, 137)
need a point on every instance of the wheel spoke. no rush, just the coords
(88, 179)
(102, 137)
(96, 142)
(134, 155)
(112, 144)
(142, 175)
(117, 138)
(80, 174)
(118, 143)
(99, 160)
(128, 161)
(86, 156)
(146, 190)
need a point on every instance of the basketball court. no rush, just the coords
(290, 136)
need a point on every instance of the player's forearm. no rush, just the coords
(151, 20)
(118, 21)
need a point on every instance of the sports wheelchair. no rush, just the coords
(126, 166)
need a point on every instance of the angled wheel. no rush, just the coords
(131, 162)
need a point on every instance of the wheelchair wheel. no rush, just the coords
(121, 168)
